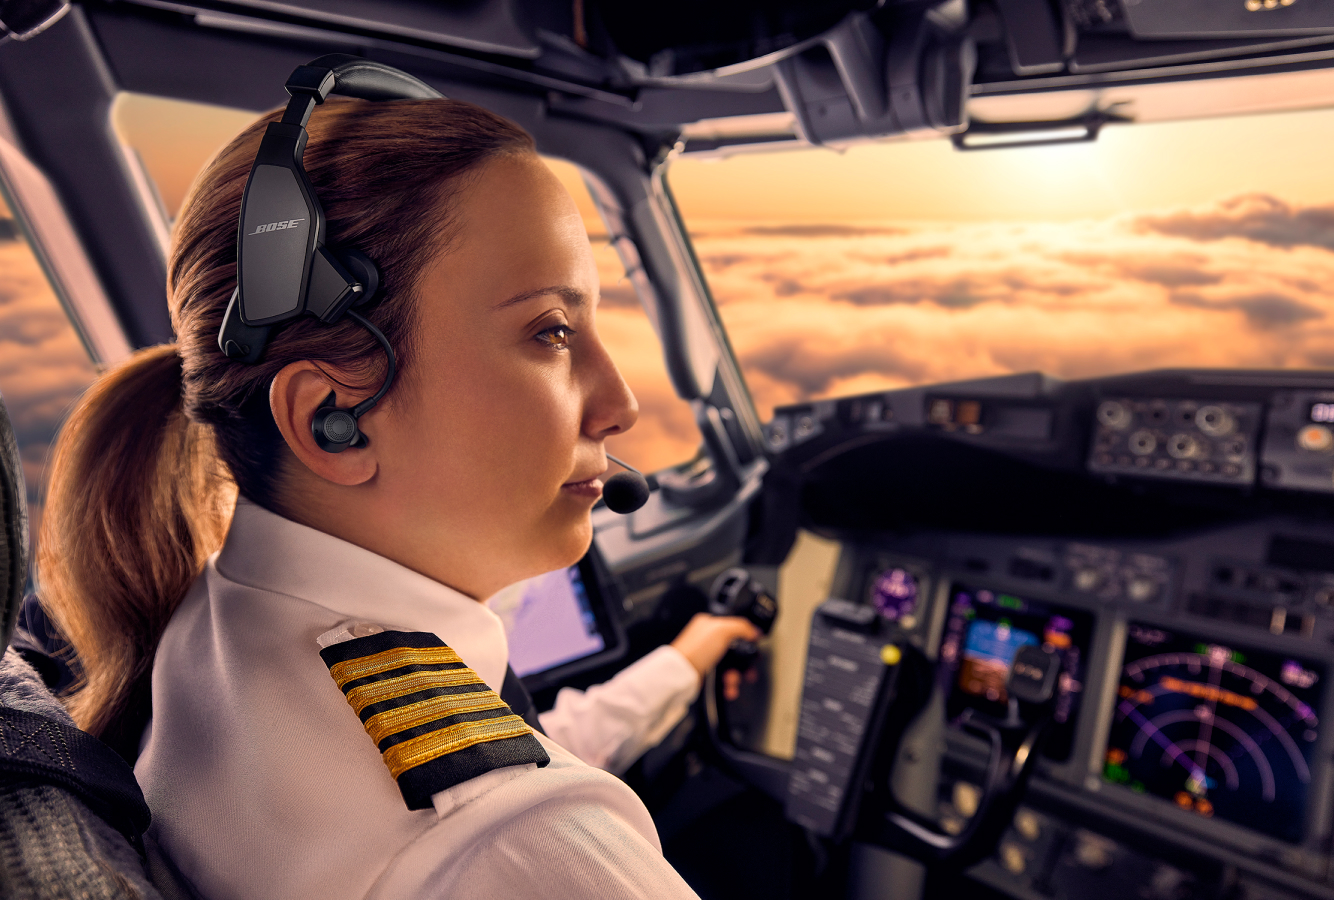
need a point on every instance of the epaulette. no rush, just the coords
(434, 721)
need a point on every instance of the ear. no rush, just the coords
(298, 390)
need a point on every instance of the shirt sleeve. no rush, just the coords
(567, 850)
(611, 724)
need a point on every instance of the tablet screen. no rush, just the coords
(549, 621)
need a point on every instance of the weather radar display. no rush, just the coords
(1219, 731)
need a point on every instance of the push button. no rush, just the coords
(1316, 438)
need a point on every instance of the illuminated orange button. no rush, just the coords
(1317, 438)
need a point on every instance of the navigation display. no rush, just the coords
(1223, 732)
(548, 620)
(986, 628)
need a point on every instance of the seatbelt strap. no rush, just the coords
(34, 748)
(518, 699)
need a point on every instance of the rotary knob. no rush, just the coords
(1114, 415)
(1088, 580)
(1141, 589)
(1214, 421)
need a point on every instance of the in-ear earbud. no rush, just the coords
(335, 429)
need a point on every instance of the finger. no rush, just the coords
(739, 627)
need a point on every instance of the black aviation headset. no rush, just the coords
(284, 270)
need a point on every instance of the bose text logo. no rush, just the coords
(277, 226)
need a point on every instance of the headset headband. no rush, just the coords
(283, 269)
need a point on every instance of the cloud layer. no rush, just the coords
(43, 366)
(1246, 282)
(1253, 217)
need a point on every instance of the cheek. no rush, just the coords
(508, 435)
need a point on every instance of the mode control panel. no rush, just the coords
(1112, 574)
(1186, 440)
(1299, 442)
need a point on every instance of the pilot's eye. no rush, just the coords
(557, 337)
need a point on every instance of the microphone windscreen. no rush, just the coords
(625, 492)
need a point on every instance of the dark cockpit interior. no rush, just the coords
(1035, 636)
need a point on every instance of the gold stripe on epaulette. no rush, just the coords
(392, 721)
(352, 669)
(391, 688)
(435, 744)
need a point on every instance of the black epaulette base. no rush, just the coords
(435, 723)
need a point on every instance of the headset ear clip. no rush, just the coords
(238, 340)
(338, 283)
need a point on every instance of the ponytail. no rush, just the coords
(137, 502)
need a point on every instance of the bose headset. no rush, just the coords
(284, 270)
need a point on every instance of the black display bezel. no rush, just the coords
(593, 575)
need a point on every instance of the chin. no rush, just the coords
(576, 541)
(561, 544)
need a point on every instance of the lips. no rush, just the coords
(594, 475)
(589, 487)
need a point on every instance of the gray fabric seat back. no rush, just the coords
(71, 814)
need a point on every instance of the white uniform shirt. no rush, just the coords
(611, 724)
(263, 782)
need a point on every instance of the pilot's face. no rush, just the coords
(497, 443)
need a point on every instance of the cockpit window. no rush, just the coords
(665, 433)
(44, 366)
(1193, 243)
(173, 140)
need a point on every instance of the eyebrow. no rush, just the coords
(572, 296)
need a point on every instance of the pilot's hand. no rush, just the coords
(705, 638)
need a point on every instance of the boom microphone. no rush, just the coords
(625, 491)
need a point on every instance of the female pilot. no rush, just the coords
(286, 755)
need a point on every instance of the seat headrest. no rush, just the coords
(14, 540)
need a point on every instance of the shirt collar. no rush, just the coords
(266, 551)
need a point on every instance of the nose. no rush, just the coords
(610, 406)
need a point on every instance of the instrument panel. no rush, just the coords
(1171, 537)
(1187, 718)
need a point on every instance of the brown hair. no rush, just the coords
(139, 479)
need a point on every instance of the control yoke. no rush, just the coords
(735, 593)
(1015, 741)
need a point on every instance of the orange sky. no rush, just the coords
(1129, 168)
